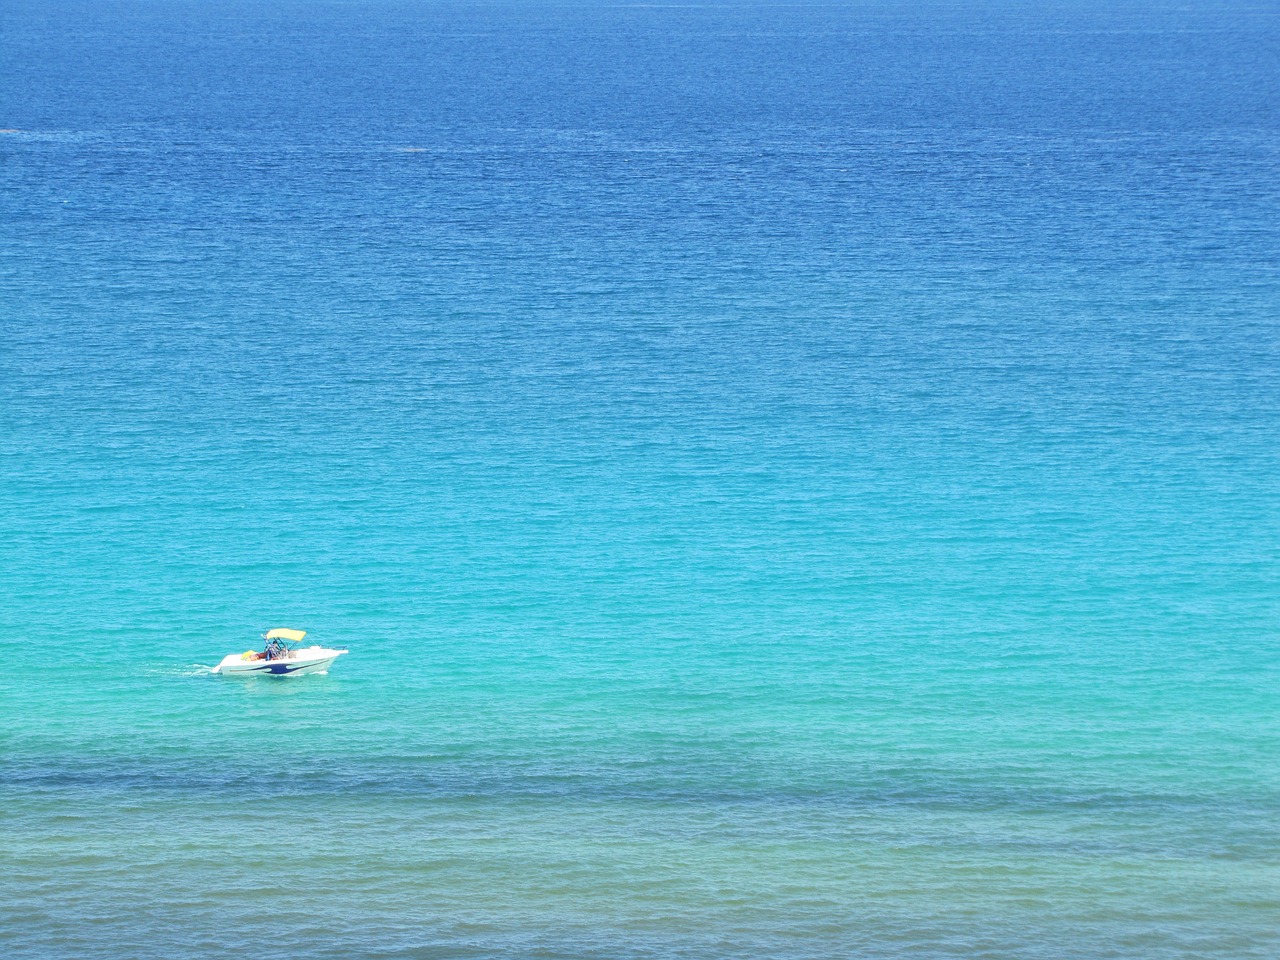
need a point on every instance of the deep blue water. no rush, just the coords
(795, 480)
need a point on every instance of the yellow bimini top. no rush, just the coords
(283, 633)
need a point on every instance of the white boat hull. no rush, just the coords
(309, 660)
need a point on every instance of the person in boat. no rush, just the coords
(278, 642)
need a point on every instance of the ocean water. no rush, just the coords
(796, 480)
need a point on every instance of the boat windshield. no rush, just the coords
(278, 641)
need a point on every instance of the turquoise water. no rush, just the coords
(795, 481)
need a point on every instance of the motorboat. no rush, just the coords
(282, 656)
